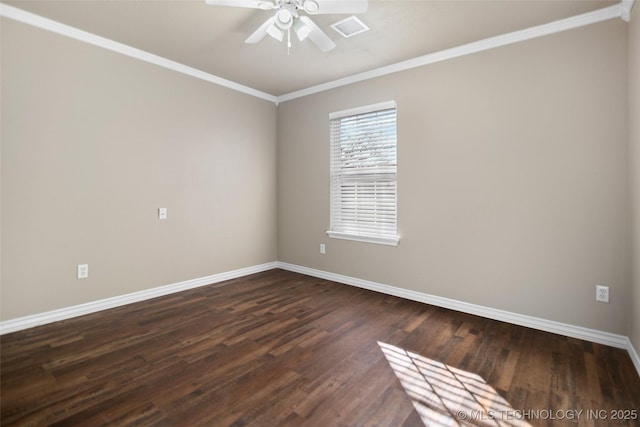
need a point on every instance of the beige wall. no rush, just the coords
(634, 139)
(513, 179)
(93, 143)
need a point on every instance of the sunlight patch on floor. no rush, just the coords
(447, 396)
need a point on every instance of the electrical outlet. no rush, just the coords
(83, 271)
(602, 293)
(323, 249)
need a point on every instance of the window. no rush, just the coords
(363, 174)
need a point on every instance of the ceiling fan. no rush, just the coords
(288, 16)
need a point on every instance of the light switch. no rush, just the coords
(162, 213)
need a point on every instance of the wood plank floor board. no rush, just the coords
(282, 349)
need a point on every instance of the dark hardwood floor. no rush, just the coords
(279, 348)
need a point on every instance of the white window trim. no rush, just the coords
(386, 240)
(389, 241)
(362, 110)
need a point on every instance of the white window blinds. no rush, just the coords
(363, 174)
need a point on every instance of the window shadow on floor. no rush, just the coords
(447, 396)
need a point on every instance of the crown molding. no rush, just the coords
(620, 10)
(610, 12)
(84, 36)
(625, 9)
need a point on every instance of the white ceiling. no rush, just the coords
(211, 38)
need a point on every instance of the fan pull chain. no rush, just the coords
(288, 41)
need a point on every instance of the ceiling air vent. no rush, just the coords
(349, 27)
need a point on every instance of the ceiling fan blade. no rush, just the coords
(260, 32)
(318, 36)
(253, 4)
(319, 7)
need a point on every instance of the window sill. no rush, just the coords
(389, 241)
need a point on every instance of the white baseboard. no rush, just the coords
(634, 356)
(21, 323)
(592, 335)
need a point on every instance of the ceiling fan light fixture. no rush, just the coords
(287, 15)
(275, 32)
(302, 30)
(284, 19)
